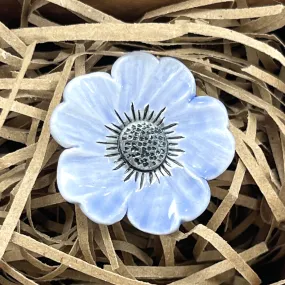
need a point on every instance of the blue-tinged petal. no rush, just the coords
(91, 182)
(171, 82)
(153, 209)
(89, 103)
(160, 208)
(208, 152)
(146, 80)
(200, 113)
(95, 94)
(133, 72)
(192, 193)
(106, 207)
(72, 128)
(208, 144)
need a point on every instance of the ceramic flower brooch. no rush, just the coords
(140, 143)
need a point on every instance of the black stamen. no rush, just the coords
(158, 115)
(175, 138)
(118, 160)
(156, 176)
(113, 143)
(161, 171)
(142, 180)
(161, 121)
(139, 113)
(119, 166)
(128, 170)
(167, 163)
(137, 175)
(129, 175)
(145, 111)
(150, 116)
(129, 119)
(112, 137)
(166, 170)
(133, 111)
(120, 118)
(174, 161)
(176, 150)
(117, 127)
(112, 148)
(150, 177)
(172, 154)
(112, 154)
(169, 126)
(112, 130)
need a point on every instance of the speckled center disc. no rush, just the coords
(143, 145)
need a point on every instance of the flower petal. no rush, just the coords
(132, 72)
(171, 82)
(70, 128)
(95, 94)
(192, 193)
(208, 144)
(91, 182)
(146, 80)
(153, 209)
(89, 102)
(209, 152)
(200, 113)
(160, 208)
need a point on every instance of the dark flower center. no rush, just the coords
(143, 144)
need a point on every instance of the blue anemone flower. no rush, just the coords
(139, 142)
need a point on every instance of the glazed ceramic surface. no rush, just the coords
(139, 142)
